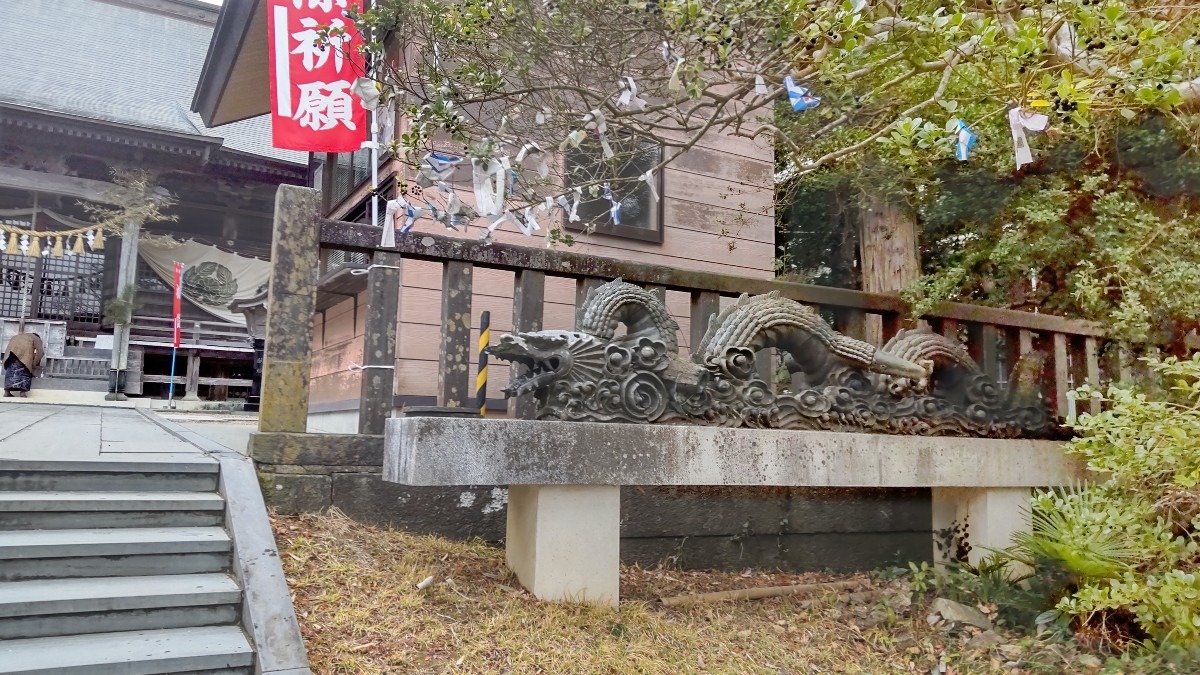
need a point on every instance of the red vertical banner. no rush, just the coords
(312, 108)
(177, 309)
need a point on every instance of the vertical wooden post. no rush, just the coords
(191, 390)
(377, 389)
(1062, 375)
(529, 293)
(291, 302)
(659, 292)
(893, 322)
(126, 290)
(983, 345)
(1025, 339)
(1091, 350)
(852, 322)
(454, 362)
(950, 329)
(1125, 363)
(705, 305)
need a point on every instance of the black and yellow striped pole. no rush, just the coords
(485, 338)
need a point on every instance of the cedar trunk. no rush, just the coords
(889, 254)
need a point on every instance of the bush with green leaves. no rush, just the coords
(1127, 544)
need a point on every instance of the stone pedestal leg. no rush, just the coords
(564, 541)
(987, 516)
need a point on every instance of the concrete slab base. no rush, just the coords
(69, 397)
(564, 541)
(986, 518)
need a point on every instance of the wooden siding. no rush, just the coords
(718, 216)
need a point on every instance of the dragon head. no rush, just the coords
(549, 356)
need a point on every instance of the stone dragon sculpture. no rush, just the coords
(918, 383)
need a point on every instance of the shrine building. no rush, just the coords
(98, 92)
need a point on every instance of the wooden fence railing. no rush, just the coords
(996, 338)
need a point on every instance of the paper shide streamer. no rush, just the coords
(490, 177)
(629, 95)
(760, 86)
(965, 141)
(669, 55)
(436, 168)
(595, 121)
(799, 96)
(1020, 121)
(614, 209)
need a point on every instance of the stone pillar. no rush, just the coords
(564, 541)
(127, 290)
(987, 517)
(291, 302)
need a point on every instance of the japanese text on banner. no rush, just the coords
(311, 105)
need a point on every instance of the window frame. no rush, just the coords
(653, 236)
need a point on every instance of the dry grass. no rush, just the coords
(355, 589)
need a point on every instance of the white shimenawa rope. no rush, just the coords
(359, 271)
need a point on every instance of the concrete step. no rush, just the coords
(176, 650)
(86, 510)
(198, 475)
(52, 554)
(48, 607)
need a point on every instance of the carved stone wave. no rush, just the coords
(918, 383)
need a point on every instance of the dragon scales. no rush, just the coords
(918, 383)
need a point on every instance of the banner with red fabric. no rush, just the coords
(312, 107)
(177, 309)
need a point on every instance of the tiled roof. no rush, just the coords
(116, 63)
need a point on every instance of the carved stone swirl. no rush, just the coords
(918, 383)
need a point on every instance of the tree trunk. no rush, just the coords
(889, 254)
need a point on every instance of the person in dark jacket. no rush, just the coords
(22, 358)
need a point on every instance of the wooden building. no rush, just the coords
(94, 87)
(716, 215)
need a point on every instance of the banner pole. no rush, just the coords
(177, 318)
(171, 391)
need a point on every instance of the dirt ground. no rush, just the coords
(373, 600)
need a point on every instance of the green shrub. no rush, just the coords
(1128, 543)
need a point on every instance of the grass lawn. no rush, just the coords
(356, 593)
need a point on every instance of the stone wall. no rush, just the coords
(796, 529)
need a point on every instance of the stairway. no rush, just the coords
(117, 567)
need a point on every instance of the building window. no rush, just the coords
(641, 214)
(350, 170)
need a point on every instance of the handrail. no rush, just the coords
(440, 248)
(1061, 353)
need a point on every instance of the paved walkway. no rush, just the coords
(82, 433)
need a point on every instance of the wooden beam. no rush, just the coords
(206, 381)
(69, 186)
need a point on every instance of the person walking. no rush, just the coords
(22, 358)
